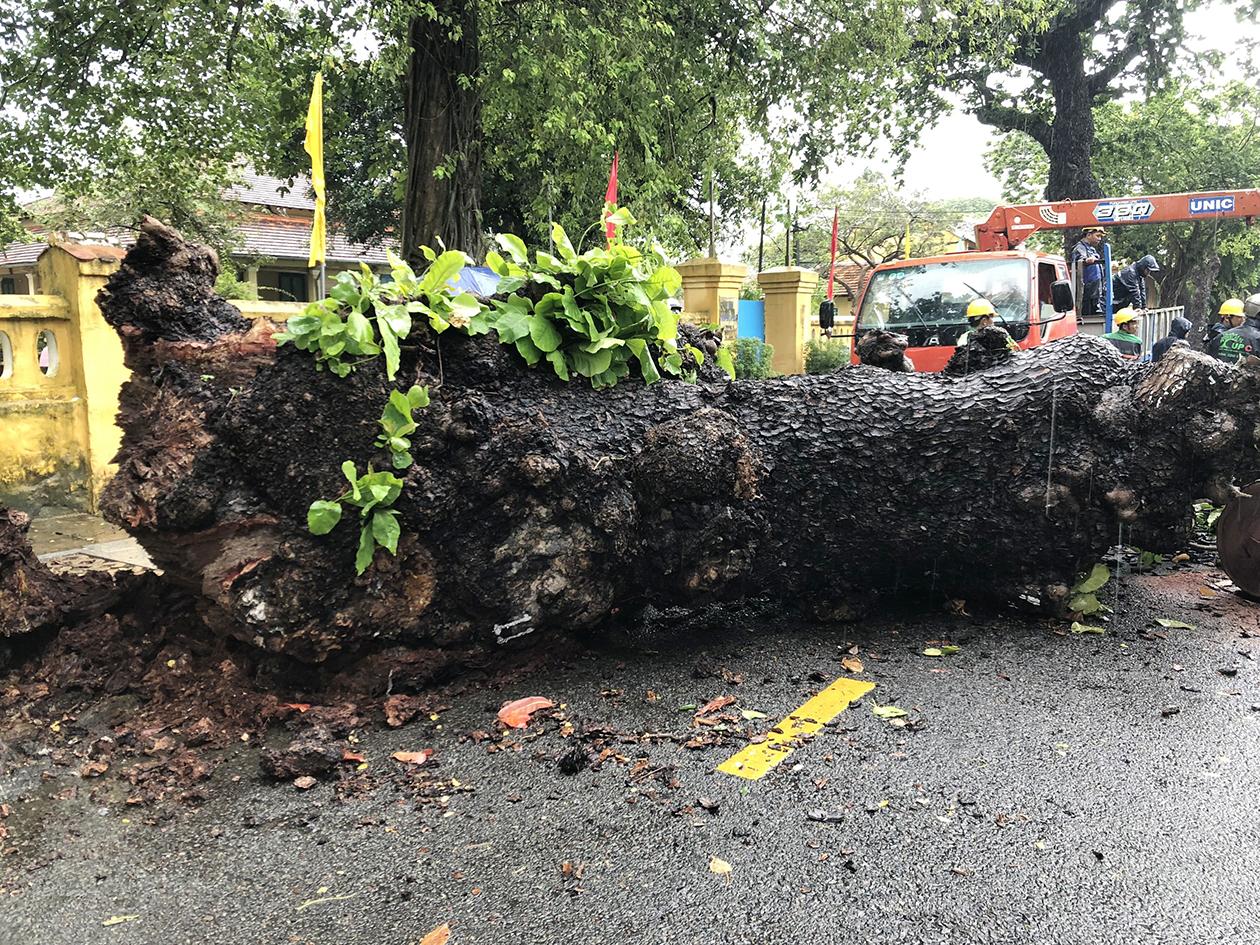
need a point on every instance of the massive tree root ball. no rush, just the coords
(541, 506)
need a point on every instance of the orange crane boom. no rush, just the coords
(1007, 227)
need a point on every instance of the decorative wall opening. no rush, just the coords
(46, 352)
(6, 357)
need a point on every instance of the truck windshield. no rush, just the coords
(937, 294)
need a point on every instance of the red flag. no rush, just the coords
(831, 277)
(610, 197)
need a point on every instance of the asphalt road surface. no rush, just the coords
(1048, 788)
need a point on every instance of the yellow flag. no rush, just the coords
(315, 148)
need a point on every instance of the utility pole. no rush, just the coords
(712, 245)
(761, 240)
(787, 236)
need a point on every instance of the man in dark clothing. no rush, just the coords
(1128, 288)
(1087, 253)
(1177, 332)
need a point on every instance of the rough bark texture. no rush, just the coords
(551, 507)
(443, 131)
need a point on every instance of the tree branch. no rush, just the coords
(1115, 63)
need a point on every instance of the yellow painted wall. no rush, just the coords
(43, 418)
(58, 432)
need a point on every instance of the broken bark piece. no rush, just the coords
(533, 498)
(304, 757)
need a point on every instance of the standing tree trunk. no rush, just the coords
(1072, 132)
(443, 131)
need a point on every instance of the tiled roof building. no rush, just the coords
(274, 243)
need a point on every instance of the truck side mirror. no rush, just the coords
(1061, 296)
(827, 314)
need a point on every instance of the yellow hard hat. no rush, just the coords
(980, 308)
(1231, 307)
(1126, 315)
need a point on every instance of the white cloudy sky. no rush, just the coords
(950, 161)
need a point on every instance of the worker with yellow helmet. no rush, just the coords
(1127, 336)
(1231, 315)
(980, 314)
(1242, 338)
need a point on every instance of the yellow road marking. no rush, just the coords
(754, 760)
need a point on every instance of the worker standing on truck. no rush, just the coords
(1231, 315)
(1128, 288)
(1126, 337)
(1243, 340)
(1177, 332)
(1087, 253)
(980, 314)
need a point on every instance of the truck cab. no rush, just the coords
(926, 300)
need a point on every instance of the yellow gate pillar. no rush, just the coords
(711, 292)
(76, 273)
(788, 292)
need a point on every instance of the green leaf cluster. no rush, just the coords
(373, 494)
(594, 313)
(753, 359)
(824, 355)
(1084, 599)
(1206, 514)
(397, 423)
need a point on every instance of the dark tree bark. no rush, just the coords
(550, 506)
(1071, 144)
(443, 132)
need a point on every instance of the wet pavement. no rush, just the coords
(1048, 788)
(80, 535)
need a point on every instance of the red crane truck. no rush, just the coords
(926, 298)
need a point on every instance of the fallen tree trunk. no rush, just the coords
(536, 504)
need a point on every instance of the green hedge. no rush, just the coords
(826, 355)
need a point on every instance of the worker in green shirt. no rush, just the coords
(1126, 337)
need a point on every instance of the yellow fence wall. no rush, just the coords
(43, 417)
(58, 430)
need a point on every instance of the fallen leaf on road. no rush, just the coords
(93, 769)
(315, 902)
(1169, 624)
(751, 714)
(719, 866)
(119, 919)
(516, 714)
(438, 936)
(721, 702)
(888, 712)
(1099, 576)
(348, 755)
(852, 664)
(413, 757)
(304, 783)
(296, 706)
(1085, 628)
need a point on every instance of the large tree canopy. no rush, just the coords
(451, 118)
(1060, 61)
(1186, 138)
